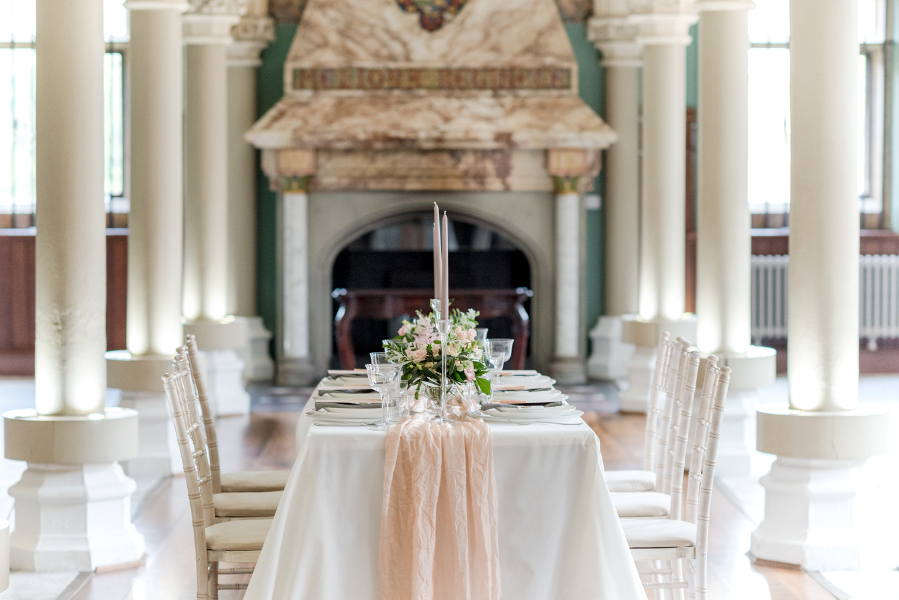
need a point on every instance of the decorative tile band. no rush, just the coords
(357, 78)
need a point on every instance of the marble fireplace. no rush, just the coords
(388, 109)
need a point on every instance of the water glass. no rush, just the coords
(392, 403)
(379, 358)
(385, 379)
(506, 345)
(481, 335)
(495, 354)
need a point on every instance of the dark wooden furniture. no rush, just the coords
(388, 304)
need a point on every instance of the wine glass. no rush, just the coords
(384, 379)
(495, 355)
(505, 344)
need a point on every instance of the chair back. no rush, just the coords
(193, 419)
(193, 354)
(673, 382)
(701, 434)
(655, 403)
(681, 428)
(201, 517)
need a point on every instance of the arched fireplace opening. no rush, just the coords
(383, 268)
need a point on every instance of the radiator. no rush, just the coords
(878, 297)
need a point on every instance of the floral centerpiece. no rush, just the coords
(417, 348)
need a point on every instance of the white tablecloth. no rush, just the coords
(559, 535)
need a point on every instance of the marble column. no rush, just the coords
(723, 224)
(155, 233)
(207, 34)
(664, 34)
(72, 505)
(251, 35)
(567, 366)
(824, 433)
(295, 363)
(614, 36)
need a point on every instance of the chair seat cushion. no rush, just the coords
(246, 504)
(237, 535)
(630, 481)
(641, 504)
(255, 481)
(658, 533)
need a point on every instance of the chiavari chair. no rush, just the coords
(239, 481)
(675, 541)
(236, 541)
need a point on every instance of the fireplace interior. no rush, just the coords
(398, 256)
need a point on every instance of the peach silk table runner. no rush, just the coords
(439, 513)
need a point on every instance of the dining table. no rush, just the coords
(559, 534)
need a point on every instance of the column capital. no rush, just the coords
(616, 38)
(178, 5)
(251, 35)
(720, 5)
(663, 21)
(210, 21)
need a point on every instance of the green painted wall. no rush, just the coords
(270, 89)
(590, 85)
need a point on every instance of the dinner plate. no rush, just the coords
(348, 413)
(532, 415)
(563, 419)
(536, 410)
(344, 395)
(525, 395)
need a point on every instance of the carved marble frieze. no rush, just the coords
(291, 11)
(374, 78)
(432, 13)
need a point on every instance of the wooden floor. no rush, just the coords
(266, 441)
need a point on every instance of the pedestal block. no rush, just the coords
(224, 376)
(140, 379)
(73, 503)
(644, 334)
(809, 493)
(609, 356)
(259, 365)
(295, 371)
(755, 368)
(219, 342)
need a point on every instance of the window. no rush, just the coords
(17, 119)
(769, 112)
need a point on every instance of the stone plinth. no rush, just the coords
(809, 493)
(73, 503)
(219, 342)
(645, 334)
(140, 379)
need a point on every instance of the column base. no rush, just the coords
(808, 515)
(224, 374)
(295, 372)
(568, 371)
(259, 364)
(609, 357)
(158, 455)
(73, 518)
(139, 378)
(645, 334)
(810, 493)
(749, 371)
(635, 396)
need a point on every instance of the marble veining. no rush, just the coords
(486, 33)
(431, 121)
